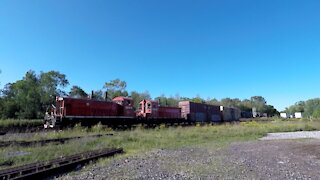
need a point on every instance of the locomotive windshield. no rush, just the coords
(149, 106)
(118, 102)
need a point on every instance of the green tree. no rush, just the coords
(245, 105)
(172, 102)
(26, 96)
(271, 111)
(316, 113)
(311, 106)
(297, 107)
(116, 88)
(162, 99)
(8, 107)
(77, 92)
(213, 101)
(259, 102)
(51, 84)
(185, 99)
(228, 102)
(138, 97)
(29, 97)
(98, 95)
(198, 99)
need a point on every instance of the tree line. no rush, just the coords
(310, 108)
(30, 97)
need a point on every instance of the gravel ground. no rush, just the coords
(281, 159)
(292, 135)
(186, 163)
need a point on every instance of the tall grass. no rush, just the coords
(142, 140)
(8, 123)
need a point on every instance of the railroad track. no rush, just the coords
(49, 168)
(45, 141)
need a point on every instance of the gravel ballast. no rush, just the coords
(185, 163)
(292, 135)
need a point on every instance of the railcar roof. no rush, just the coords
(122, 98)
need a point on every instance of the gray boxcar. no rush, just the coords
(230, 114)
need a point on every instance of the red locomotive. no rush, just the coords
(151, 110)
(126, 106)
(69, 110)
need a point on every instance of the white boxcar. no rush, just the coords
(298, 115)
(284, 115)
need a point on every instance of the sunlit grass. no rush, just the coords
(143, 140)
(7, 123)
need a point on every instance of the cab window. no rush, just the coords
(128, 102)
(149, 106)
(140, 106)
(118, 102)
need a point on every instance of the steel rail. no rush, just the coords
(48, 168)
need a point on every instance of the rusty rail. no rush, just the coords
(45, 169)
(45, 141)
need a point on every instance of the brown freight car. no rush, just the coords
(197, 112)
(169, 112)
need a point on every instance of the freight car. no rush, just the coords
(73, 110)
(230, 114)
(245, 114)
(197, 112)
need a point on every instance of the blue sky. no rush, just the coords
(217, 49)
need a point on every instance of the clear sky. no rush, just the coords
(214, 48)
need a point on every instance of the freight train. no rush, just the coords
(120, 111)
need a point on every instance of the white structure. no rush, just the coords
(298, 115)
(284, 115)
(254, 112)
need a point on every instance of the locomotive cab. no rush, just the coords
(54, 113)
(126, 103)
(148, 109)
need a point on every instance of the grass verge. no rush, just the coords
(9, 123)
(142, 140)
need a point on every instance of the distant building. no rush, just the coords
(284, 115)
(298, 115)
